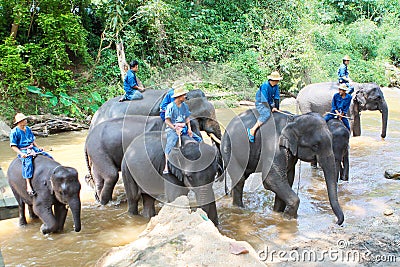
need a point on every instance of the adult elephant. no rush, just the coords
(193, 166)
(279, 143)
(56, 186)
(367, 96)
(202, 110)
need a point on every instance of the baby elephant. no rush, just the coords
(340, 145)
(56, 186)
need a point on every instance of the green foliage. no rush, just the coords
(66, 48)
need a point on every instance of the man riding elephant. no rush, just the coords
(267, 100)
(131, 86)
(22, 141)
(340, 106)
(343, 74)
(178, 122)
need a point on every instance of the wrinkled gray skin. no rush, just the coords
(105, 146)
(202, 110)
(192, 166)
(367, 96)
(56, 186)
(279, 143)
(340, 145)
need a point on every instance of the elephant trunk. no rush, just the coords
(328, 166)
(75, 206)
(206, 201)
(384, 111)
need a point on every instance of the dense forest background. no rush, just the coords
(60, 56)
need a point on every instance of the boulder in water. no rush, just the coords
(4, 131)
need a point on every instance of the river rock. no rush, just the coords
(392, 174)
(179, 237)
(4, 131)
(388, 212)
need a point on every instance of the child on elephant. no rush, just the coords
(343, 74)
(22, 141)
(178, 122)
(267, 100)
(131, 86)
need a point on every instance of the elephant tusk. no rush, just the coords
(213, 137)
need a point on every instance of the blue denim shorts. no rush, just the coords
(135, 95)
(264, 111)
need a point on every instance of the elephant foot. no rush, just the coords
(289, 216)
(22, 222)
(43, 229)
(346, 179)
(238, 203)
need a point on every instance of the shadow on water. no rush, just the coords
(365, 195)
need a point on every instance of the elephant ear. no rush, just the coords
(289, 138)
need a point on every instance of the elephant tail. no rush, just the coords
(89, 177)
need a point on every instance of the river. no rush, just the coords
(104, 227)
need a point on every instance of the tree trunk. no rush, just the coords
(14, 30)
(121, 59)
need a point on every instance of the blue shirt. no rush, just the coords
(130, 81)
(166, 100)
(341, 104)
(177, 114)
(343, 72)
(20, 138)
(267, 93)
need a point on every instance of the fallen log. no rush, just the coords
(43, 125)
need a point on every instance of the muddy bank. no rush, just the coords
(179, 237)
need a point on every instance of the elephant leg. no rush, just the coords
(21, 209)
(60, 212)
(174, 188)
(149, 209)
(45, 213)
(279, 204)
(237, 192)
(285, 194)
(356, 125)
(108, 174)
(31, 213)
(345, 175)
(131, 190)
(314, 163)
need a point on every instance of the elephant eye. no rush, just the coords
(315, 148)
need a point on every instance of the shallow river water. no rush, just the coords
(365, 195)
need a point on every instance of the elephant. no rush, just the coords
(56, 187)
(368, 96)
(279, 143)
(340, 146)
(192, 165)
(202, 110)
(105, 146)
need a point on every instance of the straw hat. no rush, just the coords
(346, 57)
(343, 87)
(19, 117)
(179, 91)
(274, 76)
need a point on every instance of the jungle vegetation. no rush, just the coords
(60, 56)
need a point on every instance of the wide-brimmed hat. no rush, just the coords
(179, 91)
(343, 87)
(346, 57)
(274, 76)
(19, 117)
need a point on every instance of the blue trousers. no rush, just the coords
(172, 138)
(345, 121)
(27, 163)
(134, 95)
